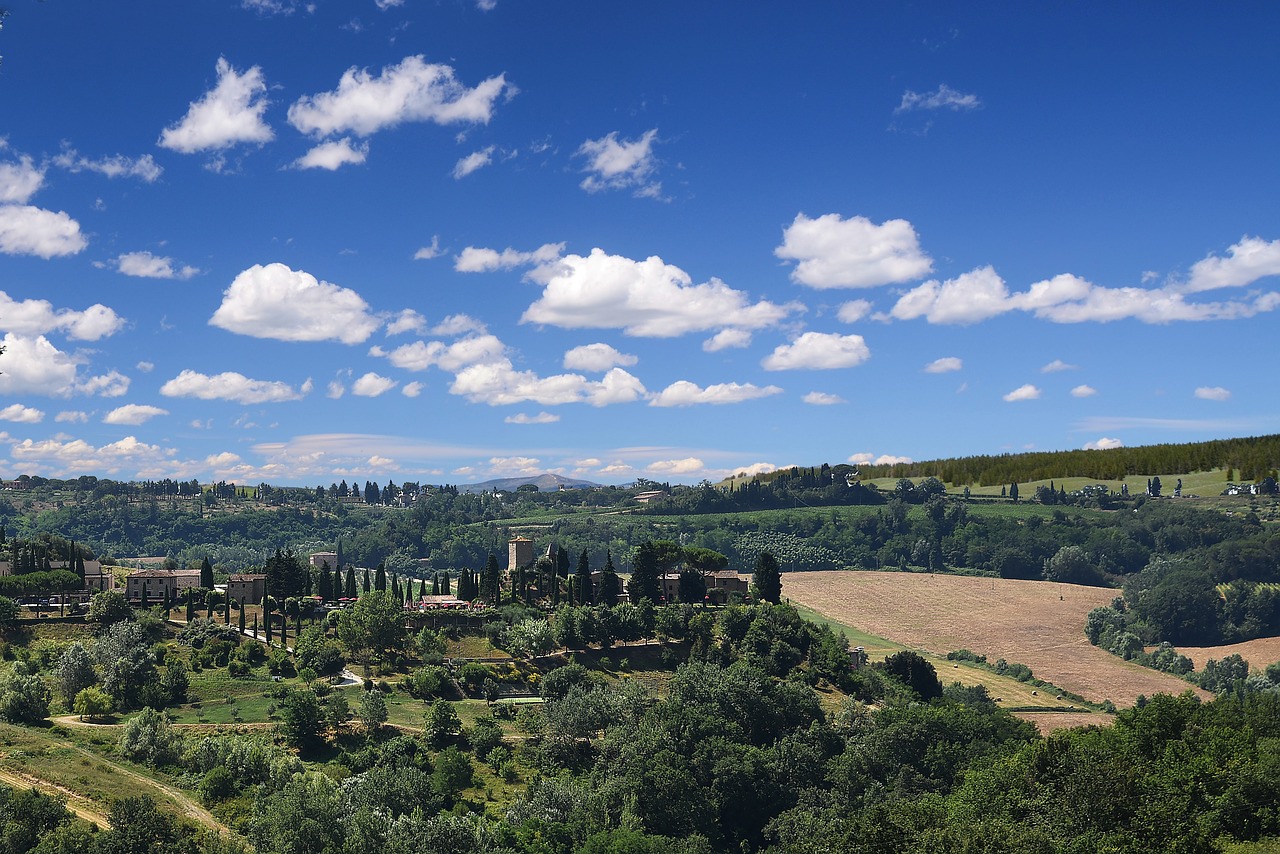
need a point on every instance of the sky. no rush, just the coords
(299, 242)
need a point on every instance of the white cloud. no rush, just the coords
(540, 418)
(944, 365)
(335, 390)
(333, 155)
(420, 355)
(72, 416)
(686, 466)
(1083, 391)
(413, 91)
(1212, 393)
(614, 165)
(853, 311)
(384, 5)
(473, 161)
(943, 98)
(1022, 392)
(822, 398)
(499, 383)
(20, 181)
(725, 339)
(228, 114)
(865, 459)
(1102, 444)
(230, 385)
(486, 5)
(426, 253)
(520, 465)
(146, 367)
(274, 301)
(855, 253)
(372, 385)
(596, 357)
(147, 266)
(1246, 262)
(36, 317)
(685, 393)
(480, 260)
(119, 166)
(407, 320)
(643, 298)
(818, 351)
(26, 230)
(133, 414)
(459, 324)
(1057, 365)
(412, 389)
(67, 457)
(33, 365)
(21, 414)
(110, 384)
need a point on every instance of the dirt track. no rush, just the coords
(1036, 623)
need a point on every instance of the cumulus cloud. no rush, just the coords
(540, 418)
(818, 351)
(944, 365)
(71, 416)
(110, 384)
(20, 180)
(412, 91)
(596, 357)
(643, 298)
(725, 339)
(1102, 444)
(1212, 393)
(475, 259)
(133, 414)
(1083, 391)
(37, 317)
(335, 390)
(420, 355)
(68, 457)
(228, 114)
(34, 365)
(426, 253)
(685, 393)
(822, 398)
(614, 164)
(688, 465)
(865, 459)
(118, 166)
(1057, 365)
(499, 383)
(21, 414)
(981, 294)
(853, 311)
(333, 155)
(232, 386)
(1023, 392)
(459, 324)
(147, 266)
(942, 98)
(372, 385)
(27, 230)
(412, 389)
(1246, 262)
(472, 162)
(855, 253)
(407, 320)
(274, 301)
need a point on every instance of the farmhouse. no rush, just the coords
(319, 559)
(152, 584)
(247, 589)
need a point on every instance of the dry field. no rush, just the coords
(1259, 653)
(1036, 623)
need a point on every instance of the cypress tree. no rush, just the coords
(226, 611)
(266, 622)
(445, 584)
(255, 626)
(609, 586)
(767, 578)
(645, 571)
(349, 587)
(242, 617)
(365, 585)
(380, 577)
(206, 574)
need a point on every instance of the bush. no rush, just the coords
(150, 739)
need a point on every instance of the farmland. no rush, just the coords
(1036, 623)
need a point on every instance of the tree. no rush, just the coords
(1013, 492)
(128, 665)
(914, 671)
(490, 589)
(1071, 565)
(767, 578)
(610, 586)
(206, 574)
(380, 577)
(646, 570)
(150, 739)
(24, 698)
(375, 623)
(109, 607)
(373, 710)
(93, 704)
(74, 672)
(301, 717)
(441, 723)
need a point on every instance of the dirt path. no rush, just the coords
(190, 808)
(77, 803)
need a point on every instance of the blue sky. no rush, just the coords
(441, 242)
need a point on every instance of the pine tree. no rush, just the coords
(490, 581)
(610, 588)
(646, 582)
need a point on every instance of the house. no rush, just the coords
(152, 584)
(319, 559)
(519, 552)
(719, 586)
(247, 589)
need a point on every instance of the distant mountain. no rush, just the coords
(544, 482)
